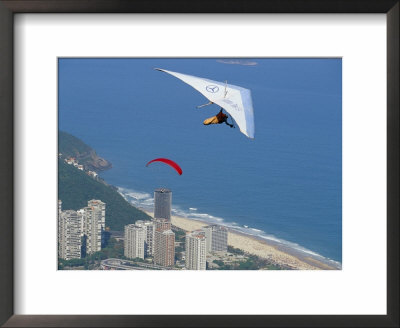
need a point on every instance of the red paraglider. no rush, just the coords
(168, 162)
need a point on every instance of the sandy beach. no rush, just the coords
(261, 248)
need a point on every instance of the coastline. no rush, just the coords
(254, 245)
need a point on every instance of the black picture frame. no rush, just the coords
(10, 7)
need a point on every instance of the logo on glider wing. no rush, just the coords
(212, 88)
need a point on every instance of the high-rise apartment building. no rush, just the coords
(134, 241)
(164, 243)
(93, 225)
(208, 234)
(162, 224)
(149, 240)
(195, 250)
(217, 238)
(81, 213)
(162, 203)
(69, 235)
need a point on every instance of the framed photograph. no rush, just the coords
(244, 150)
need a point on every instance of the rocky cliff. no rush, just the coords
(70, 146)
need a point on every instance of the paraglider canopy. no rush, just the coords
(168, 162)
(234, 99)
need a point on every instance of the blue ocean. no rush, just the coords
(285, 184)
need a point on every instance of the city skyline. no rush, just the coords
(151, 242)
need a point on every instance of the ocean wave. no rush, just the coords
(134, 194)
(146, 201)
(138, 199)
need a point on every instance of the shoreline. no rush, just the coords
(273, 251)
(288, 253)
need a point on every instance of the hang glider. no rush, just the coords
(234, 99)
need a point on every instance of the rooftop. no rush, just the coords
(162, 190)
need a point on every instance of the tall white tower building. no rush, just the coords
(94, 217)
(149, 241)
(134, 241)
(69, 235)
(195, 251)
(217, 238)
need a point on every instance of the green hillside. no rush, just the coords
(75, 188)
(69, 145)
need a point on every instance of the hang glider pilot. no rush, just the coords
(218, 119)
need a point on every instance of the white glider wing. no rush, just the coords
(234, 99)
